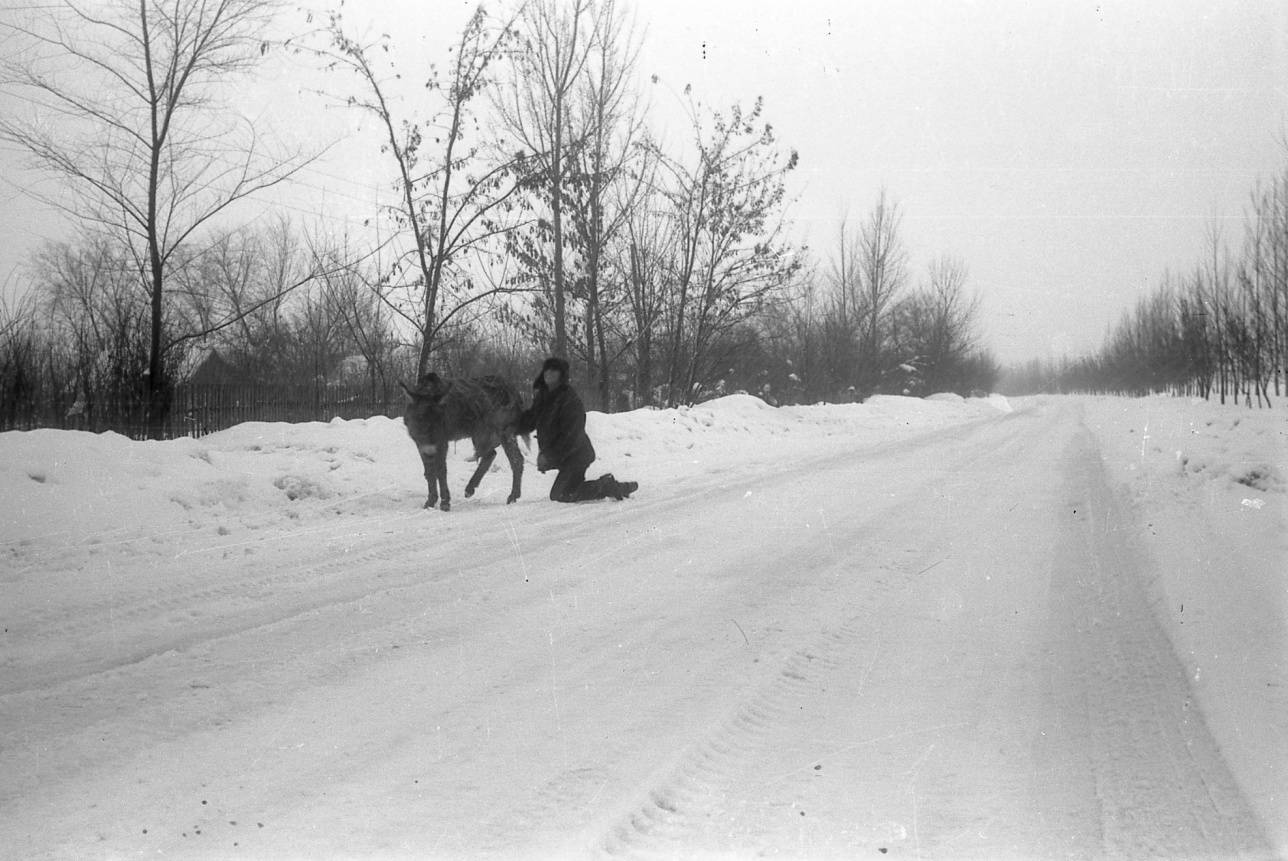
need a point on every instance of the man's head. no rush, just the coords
(554, 372)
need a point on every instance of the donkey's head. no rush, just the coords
(423, 414)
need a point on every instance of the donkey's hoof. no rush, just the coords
(430, 503)
(510, 499)
(445, 505)
(469, 491)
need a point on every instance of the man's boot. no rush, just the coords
(614, 489)
(609, 486)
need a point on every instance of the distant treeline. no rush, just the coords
(1216, 331)
(74, 351)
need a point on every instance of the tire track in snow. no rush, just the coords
(1161, 786)
(163, 618)
(666, 819)
(677, 804)
(580, 782)
(225, 675)
(1123, 766)
(203, 597)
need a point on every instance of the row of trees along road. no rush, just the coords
(1218, 330)
(537, 209)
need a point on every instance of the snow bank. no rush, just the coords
(71, 487)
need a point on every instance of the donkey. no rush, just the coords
(485, 409)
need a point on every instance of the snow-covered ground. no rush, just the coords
(1053, 627)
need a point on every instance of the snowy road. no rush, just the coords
(937, 647)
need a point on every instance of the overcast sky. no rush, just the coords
(1068, 152)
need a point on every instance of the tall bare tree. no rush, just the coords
(366, 321)
(1266, 274)
(1215, 277)
(125, 117)
(601, 193)
(883, 268)
(727, 198)
(648, 248)
(20, 361)
(845, 304)
(936, 325)
(237, 289)
(555, 42)
(93, 309)
(453, 190)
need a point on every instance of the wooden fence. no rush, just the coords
(196, 410)
(201, 409)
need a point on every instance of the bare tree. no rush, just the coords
(842, 318)
(1214, 280)
(1195, 325)
(601, 193)
(936, 325)
(20, 346)
(555, 42)
(98, 318)
(1265, 276)
(125, 118)
(453, 191)
(727, 200)
(366, 321)
(236, 292)
(797, 334)
(649, 248)
(882, 264)
(316, 342)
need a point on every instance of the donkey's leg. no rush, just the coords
(485, 459)
(515, 457)
(430, 462)
(441, 463)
